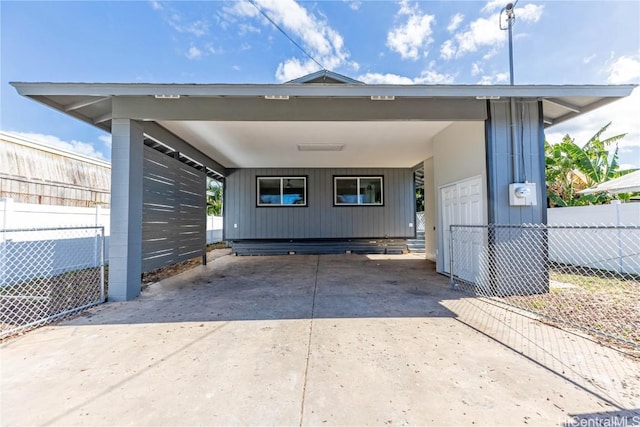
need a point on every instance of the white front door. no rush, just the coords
(461, 205)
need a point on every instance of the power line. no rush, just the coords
(285, 33)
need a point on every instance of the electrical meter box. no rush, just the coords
(522, 194)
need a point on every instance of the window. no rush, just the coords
(365, 190)
(282, 191)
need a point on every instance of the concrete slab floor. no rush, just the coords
(310, 340)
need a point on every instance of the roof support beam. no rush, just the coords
(85, 103)
(162, 135)
(564, 104)
(103, 118)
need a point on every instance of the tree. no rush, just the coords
(420, 199)
(571, 168)
(214, 198)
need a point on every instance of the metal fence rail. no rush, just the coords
(48, 273)
(581, 276)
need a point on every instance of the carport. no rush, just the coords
(311, 340)
(168, 137)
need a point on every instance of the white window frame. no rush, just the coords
(282, 181)
(357, 178)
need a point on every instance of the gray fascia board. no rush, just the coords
(301, 90)
(298, 109)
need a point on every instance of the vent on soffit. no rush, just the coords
(320, 147)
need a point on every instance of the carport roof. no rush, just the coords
(194, 112)
(91, 101)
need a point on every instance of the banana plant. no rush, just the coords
(571, 168)
(214, 198)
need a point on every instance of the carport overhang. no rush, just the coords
(227, 126)
(220, 127)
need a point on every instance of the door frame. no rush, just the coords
(442, 264)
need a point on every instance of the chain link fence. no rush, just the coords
(48, 273)
(578, 276)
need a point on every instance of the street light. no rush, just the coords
(510, 18)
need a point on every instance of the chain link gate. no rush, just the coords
(578, 276)
(49, 273)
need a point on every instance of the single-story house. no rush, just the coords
(320, 160)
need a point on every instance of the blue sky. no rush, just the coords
(404, 42)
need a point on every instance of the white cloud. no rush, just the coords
(480, 33)
(447, 50)
(248, 28)
(625, 69)
(455, 22)
(624, 117)
(197, 27)
(502, 77)
(493, 6)
(106, 140)
(85, 148)
(485, 33)
(321, 41)
(429, 76)
(588, 59)
(353, 5)
(193, 53)
(433, 77)
(529, 13)
(388, 78)
(411, 38)
(293, 68)
(494, 79)
(236, 68)
(476, 69)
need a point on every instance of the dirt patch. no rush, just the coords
(605, 306)
(171, 270)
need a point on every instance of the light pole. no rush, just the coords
(510, 16)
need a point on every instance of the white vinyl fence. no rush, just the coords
(26, 215)
(611, 214)
(614, 255)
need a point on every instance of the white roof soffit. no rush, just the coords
(249, 125)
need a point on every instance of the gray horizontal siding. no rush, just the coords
(320, 219)
(173, 213)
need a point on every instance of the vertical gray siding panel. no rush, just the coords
(500, 175)
(320, 219)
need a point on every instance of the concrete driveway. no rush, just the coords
(291, 340)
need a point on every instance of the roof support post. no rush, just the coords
(507, 249)
(508, 163)
(125, 242)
